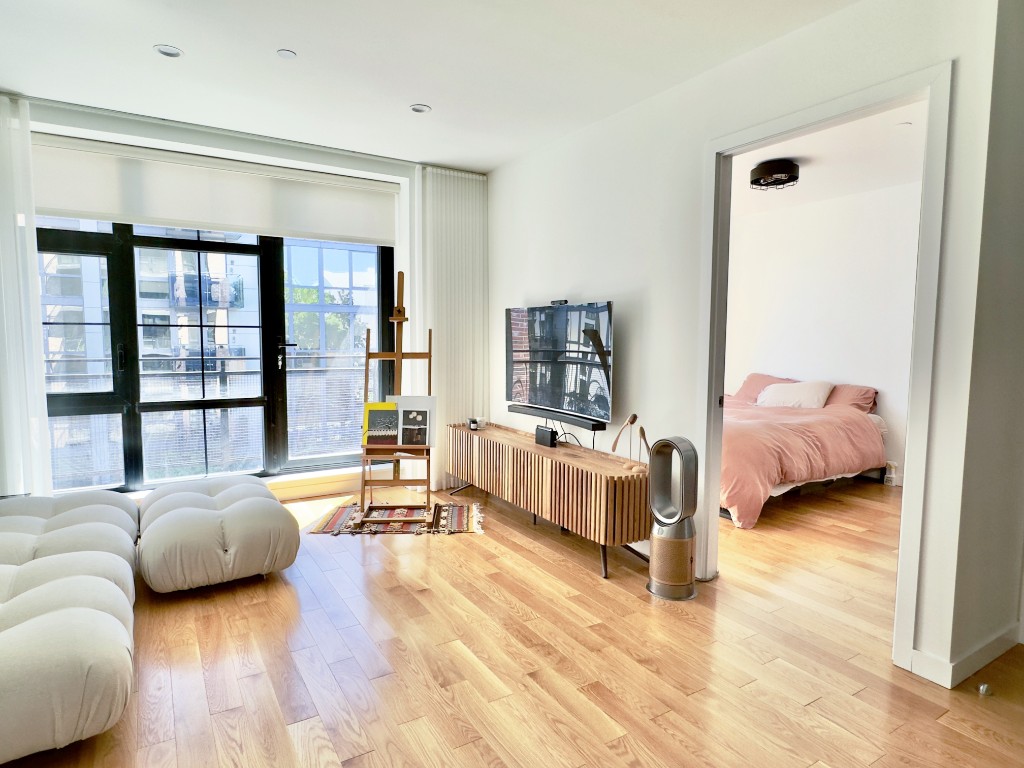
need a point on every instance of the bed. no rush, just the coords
(779, 433)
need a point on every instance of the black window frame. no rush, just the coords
(125, 396)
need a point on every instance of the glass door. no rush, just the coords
(331, 296)
(198, 333)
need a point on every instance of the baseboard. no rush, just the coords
(308, 485)
(949, 674)
(967, 665)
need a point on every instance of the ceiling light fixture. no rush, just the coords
(287, 53)
(420, 108)
(774, 174)
(168, 50)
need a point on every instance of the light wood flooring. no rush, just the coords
(508, 649)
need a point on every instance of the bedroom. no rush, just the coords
(822, 280)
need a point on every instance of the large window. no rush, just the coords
(176, 353)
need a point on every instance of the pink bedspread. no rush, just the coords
(765, 447)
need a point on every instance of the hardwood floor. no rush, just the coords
(508, 649)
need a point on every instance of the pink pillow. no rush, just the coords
(861, 398)
(754, 384)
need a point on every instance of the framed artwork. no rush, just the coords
(380, 424)
(415, 418)
(414, 425)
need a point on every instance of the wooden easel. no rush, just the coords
(395, 453)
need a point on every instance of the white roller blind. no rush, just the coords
(114, 182)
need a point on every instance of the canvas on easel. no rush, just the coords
(415, 418)
(380, 424)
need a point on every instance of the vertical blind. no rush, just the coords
(455, 250)
(98, 180)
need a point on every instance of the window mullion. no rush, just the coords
(124, 336)
(202, 335)
(272, 314)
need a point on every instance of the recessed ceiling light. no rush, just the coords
(420, 108)
(287, 53)
(905, 123)
(168, 50)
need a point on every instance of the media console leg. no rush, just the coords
(460, 489)
(604, 561)
(534, 519)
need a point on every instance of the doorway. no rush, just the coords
(932, 85)
(822, 280)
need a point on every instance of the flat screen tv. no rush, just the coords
(559, 358)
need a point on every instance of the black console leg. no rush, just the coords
(534, 519)
(460, 489)
(604, 561)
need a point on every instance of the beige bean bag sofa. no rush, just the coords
(67, 587)
(201, 532)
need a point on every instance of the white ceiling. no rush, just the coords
(873, 152)
(502, 76)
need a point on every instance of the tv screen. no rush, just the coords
(559, 357)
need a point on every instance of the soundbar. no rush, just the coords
(567, 418)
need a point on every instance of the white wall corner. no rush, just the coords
(950, 674)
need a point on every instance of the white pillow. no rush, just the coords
(802, 394)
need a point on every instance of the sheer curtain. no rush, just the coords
(24, 433)
(455, 265)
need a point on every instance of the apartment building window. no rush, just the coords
(174, 353)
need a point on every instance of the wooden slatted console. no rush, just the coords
(599, 496)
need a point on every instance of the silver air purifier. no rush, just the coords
(672, 535)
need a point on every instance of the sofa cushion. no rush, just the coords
(17, 579)
(17, 547)
(65, 648)
(204, 532)
(66, 672)
(46, 507)
(91, 521)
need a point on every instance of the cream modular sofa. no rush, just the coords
(200, 532)
(67, 587)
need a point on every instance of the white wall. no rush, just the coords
(825, 291)
(991, 531)
(616, 211)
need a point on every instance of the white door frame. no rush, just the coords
(934, 84)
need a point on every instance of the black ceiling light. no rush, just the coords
(774, 174)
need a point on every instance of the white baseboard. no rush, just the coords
(307, 485)
(949, 674)
(967, 665)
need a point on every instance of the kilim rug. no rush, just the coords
(446, 518)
